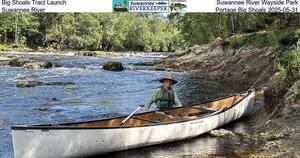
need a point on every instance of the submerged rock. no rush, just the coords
(2, 122)
(53, 99)
(58, 83)
(86, 53)
(148, 63)
(26, 84)
(113, 66)
(221, 133)
(42, 108)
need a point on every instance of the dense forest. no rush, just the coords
(129, 31)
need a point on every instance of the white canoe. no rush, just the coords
(81, 139)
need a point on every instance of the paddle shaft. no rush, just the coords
(129, 116)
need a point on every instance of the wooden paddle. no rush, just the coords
(128, 117)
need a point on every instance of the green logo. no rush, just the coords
(120, 5)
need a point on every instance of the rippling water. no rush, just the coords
(199, 147)
(98, 94)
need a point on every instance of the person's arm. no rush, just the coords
(176, 100)
(152, 99)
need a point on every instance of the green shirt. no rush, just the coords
(164, 99)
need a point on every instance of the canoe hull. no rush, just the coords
(81, 142)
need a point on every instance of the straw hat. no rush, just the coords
(168, 77)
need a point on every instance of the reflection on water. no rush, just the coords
(97, 94)
(202, 146)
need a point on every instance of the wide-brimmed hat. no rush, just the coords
(168, 77)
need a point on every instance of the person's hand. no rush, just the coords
(147, 107)
(165, 114)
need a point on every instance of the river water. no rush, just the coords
(98, 94)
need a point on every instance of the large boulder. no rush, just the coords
(279, 84)
(18, 62)
(31, 63)
(113, 66)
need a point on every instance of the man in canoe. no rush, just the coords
(165, 97)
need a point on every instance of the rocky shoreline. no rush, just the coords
(220, 59)
(276, 128)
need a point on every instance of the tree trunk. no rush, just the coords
(5, 37)
(232, 23)
(61, 37)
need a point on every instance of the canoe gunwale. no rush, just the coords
(65, 126)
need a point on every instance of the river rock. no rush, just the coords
(86, 53)
(18, 62)
(221, 133)
(113, 66)
(2, 122)
(37, 65)
(4, 58)
(27, 84)
(31, 63)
